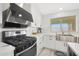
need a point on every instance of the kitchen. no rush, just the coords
(54, 31)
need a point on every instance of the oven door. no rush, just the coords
(31, 51)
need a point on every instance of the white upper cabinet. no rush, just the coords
(36, 16)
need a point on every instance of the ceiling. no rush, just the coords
(48, 8)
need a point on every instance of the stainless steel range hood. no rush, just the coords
(16, 15)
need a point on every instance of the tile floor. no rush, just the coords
(47, 52)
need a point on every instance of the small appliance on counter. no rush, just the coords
(36, 30)
(39, 30)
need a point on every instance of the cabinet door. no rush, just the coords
(61, 46)
(39, 45)
(49, 42)
(39, 48)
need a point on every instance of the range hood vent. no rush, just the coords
(16, 15)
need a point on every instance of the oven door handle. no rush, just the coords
(26, 49)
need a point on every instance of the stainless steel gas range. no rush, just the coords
(24, 45)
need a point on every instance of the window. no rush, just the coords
(65, 27)
(66, 24)
(55, 27)
(59, 27)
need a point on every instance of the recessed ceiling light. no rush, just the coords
(20, 15)
(60, 8)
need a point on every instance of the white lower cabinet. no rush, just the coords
(39, 48)
(61, 46)
(39, 44)
(49, 41)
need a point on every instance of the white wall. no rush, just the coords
(25, 6)
(3, 6)
(0, 18)
(46, 21)
(0, 13)
(45, 24)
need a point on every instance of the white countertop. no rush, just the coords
(3, 44)
(6, 50)
(37, 35)
(74, 47)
